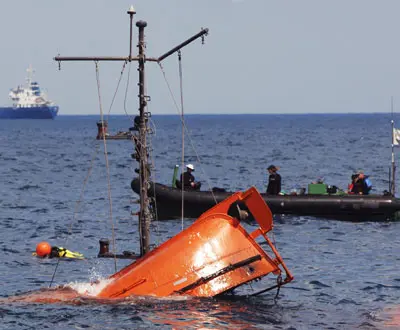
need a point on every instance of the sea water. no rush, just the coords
(54, 188)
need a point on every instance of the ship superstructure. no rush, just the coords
(29, 102)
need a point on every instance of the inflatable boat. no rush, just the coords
(167, 202)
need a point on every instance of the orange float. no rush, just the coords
(43, 249)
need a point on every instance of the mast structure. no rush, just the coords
(393, 185)
(141, 142)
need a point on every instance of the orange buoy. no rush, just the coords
(43, 249)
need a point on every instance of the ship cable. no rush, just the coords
(77, 205)
(116, 90)
(183, 135)
(107, 164)
(132, 118)
(187, 132)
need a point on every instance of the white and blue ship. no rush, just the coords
(29, 102)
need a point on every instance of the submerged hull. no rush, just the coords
(341, 207)
(43, 112)
(211, 257)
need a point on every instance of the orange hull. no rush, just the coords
(212, 256)
(45, 296)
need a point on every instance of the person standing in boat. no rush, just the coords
(361, 184)
(274, 181)
(187, 179)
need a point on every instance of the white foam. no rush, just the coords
(89, 289)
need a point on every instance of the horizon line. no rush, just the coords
(237, 114)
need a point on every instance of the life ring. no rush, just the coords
(39, 100)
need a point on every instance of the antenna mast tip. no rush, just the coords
(131, 11)
(141, 24)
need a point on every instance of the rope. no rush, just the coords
(187, 132)
(107, 165)
(116, 90)
(155, 196)
(89, 172)
(183, 134)
(77, 204)
(126, 94)
(279, 284)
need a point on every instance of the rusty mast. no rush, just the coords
(141, 141)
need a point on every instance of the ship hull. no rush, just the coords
(43, 112)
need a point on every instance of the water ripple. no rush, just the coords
(346, 274)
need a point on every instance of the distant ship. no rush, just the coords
(29, 102)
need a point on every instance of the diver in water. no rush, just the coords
(274, 181)
(44, 249)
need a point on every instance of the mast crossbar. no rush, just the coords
(102, 58)
(183, 44)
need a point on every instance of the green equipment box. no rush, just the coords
(317, 189)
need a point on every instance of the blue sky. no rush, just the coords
(261, 56)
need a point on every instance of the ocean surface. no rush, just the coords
(54, 188)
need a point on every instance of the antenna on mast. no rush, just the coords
(141, 141)
(131, 12)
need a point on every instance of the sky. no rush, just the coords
(261, 56)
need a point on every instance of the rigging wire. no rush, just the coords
(77, 205)
(76, 209)
(126, 93)
(107, 164)
(183, 134)
(154, 208)
(187, 131)
(78, 202)
(116, 90)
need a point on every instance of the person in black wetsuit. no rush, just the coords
(274, 181)
(187, 179)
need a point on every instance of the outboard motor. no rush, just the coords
(331, 189)
(102, 127)
(104, 247)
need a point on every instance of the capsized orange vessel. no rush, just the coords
(214, 255)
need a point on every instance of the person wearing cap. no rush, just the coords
(187, 179)
(274, 181)
(361, 184)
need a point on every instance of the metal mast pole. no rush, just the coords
(393, 186)
(144, 167)
(131, 12)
